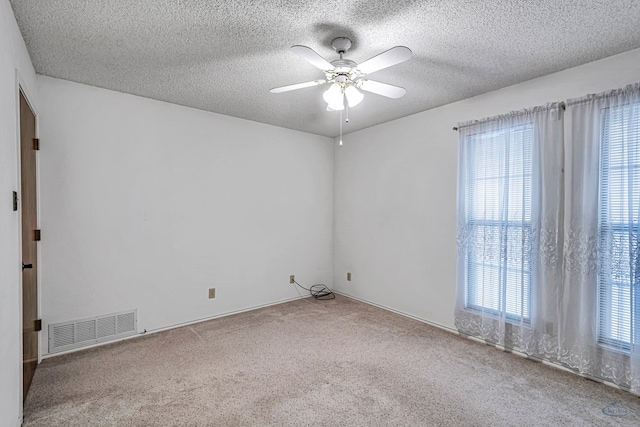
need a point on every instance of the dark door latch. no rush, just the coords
(26, 266)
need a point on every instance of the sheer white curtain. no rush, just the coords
(508, 222)
(599, 330)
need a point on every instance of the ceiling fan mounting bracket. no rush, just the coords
(341, 44)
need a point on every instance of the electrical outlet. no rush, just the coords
(292, 278)
(348, 277)
(212, 293)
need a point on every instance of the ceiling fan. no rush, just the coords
(346, 76)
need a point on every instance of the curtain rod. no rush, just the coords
(560, 104)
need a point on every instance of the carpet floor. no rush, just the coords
(313, 363)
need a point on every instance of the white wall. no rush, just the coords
(146, 205)
(395, 192)
(14, 61)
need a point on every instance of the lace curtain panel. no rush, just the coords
(600, 328)
(548, 233)
(508, 222)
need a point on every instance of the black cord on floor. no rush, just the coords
(319, 291)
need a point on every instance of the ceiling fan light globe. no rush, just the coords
(333, 95)
(338, 106)
(354, 96)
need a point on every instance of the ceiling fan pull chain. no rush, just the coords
(341, 128)
(347, 121)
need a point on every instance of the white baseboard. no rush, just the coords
(481, 341)
(410, 316)
(178, 325)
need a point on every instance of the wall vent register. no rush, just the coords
(85, 332)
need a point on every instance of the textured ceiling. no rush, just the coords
(224, 56)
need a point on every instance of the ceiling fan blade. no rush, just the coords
(312, 57)
(390, 91)
(297, 86)
(393, 56)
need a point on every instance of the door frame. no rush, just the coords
(21, 85)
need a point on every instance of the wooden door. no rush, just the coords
(28, 195)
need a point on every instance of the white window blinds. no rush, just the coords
(498, 217)
(618, 226)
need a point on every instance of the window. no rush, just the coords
(498, 215)
(618, 226)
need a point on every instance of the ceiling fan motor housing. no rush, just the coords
(343, 65)
(344, 71)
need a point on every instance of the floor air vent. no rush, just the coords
(80, 333)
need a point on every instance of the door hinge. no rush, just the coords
(37, 325)
(15, 201)
(37, 235)
(36, 143)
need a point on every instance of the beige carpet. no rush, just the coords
(313, 363)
